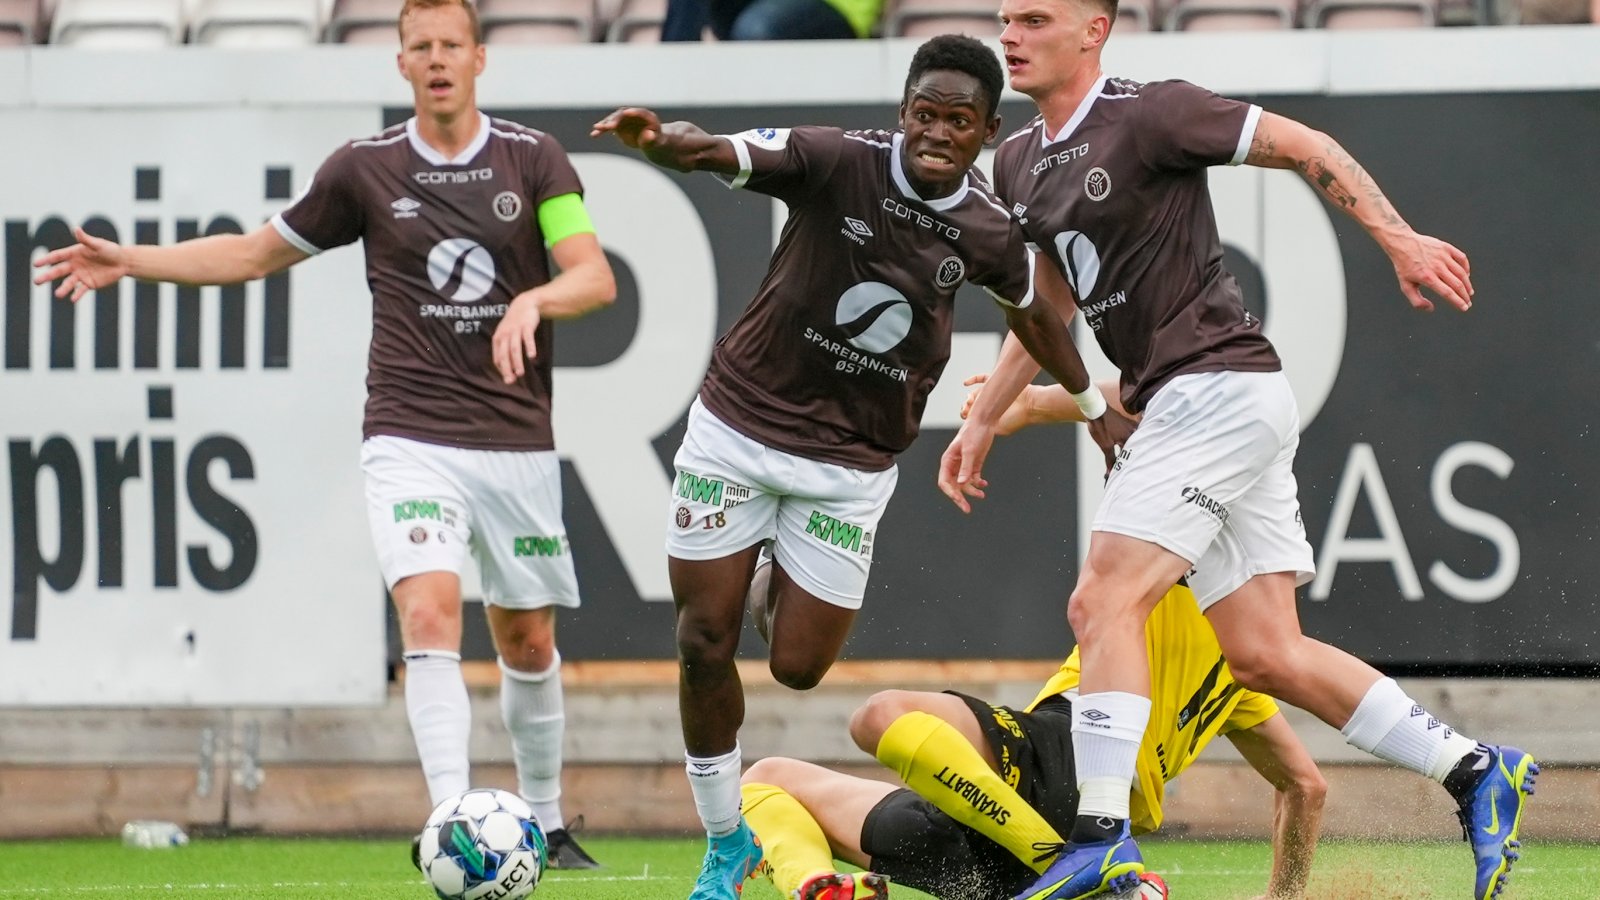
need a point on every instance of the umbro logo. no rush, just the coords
(405, 208)
(1021, 212)
(856, 230)
(1095, 715)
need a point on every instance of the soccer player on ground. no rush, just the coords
(460, 215)
(1110, 182)
(994, 788)
(822, 382)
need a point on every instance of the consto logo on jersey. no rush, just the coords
(1081, 260)
(875, 317)
(461, 269)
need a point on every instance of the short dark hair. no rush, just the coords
(411, 6)
(959, 53)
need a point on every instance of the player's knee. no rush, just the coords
(1089, 613)
(798, 674)
(705, 646)
(774, 770)
(430, 624)
(1260, 670)
(1097, 608)
(1313, 787)
(872, 718)
(529, 657)
(527, 649)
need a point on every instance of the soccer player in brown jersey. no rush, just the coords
(461, 216)
(821, 383)
(1110, 182)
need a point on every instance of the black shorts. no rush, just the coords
(912, 842)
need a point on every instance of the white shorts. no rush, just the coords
(731, 493)
(428, 504)
(1209, 475)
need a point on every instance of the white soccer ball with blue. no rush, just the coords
(483, 844)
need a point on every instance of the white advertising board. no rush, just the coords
(184, 522)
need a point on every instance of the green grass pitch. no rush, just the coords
(664, 869)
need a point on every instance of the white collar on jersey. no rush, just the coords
(434, 157)
(898, 173)
(1078, 115)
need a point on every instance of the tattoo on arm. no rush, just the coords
(1263, 147)
(1316, 170)
(1340, 178)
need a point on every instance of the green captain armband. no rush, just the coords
(563, 216)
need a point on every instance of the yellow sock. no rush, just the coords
(935, 760)
(793, 842)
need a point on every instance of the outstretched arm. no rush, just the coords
(93, 263)
(1038, 404)
(1274, 751)
(1420, 261)
(675, 145)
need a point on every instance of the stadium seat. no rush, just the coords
(118, 23)
(364, 22)
(1231, 15)
(1349, 14)
(638, 22)
(21, 22)
(1135, 15)
(257, 23)
(926, 18)
(538, 21)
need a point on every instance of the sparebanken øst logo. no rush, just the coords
(461, 269)
(875, 317)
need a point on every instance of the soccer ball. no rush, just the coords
(1151, 887)
(482, 844)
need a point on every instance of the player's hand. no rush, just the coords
(514, 341)
(634, 126)
(88, 265)
(1111, 431)
(961, 466)
(1423, 262)
(1016, 417)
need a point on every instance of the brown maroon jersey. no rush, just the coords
(834, 358)
(449, 243)
(1118, 201)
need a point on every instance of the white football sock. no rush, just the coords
(1107, 728)
(1393, 727)
(531, 707)
(441, 719)
(715, 783)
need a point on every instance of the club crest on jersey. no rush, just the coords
(951, 271)
(1097, 184)
(507, 206)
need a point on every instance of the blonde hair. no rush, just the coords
(414, 5)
